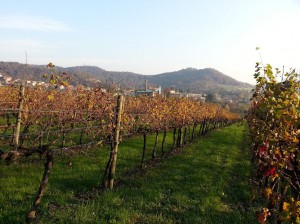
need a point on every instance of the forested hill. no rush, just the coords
(194, 80)
(36, 72)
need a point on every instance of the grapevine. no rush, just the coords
(275, 130)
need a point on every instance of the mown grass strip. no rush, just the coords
(206, 183)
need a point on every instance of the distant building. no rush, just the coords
(195, 96)
(151, 92)
(7, 80)
(148, 92)
(129, 92)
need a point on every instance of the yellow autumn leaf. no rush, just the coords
(286, 206)
(50, 97)
(267, 192)
(296, 140)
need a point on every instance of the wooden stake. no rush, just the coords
(144, 149)
(163, 143)
(174, 140)
(19, 118)
(43, 184)
(155, 145)
(118, 116)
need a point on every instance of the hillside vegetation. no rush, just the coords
(188, 80)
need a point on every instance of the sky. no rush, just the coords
(153, 36)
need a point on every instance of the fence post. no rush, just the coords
(19, 117)
(116, 134)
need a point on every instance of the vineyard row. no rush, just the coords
(274, 126)
(44, 122)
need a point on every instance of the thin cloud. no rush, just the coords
(32, 23)
(14, 50)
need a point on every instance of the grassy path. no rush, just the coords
(207, 183)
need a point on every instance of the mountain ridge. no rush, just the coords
(188, 79)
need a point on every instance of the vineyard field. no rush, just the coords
(48, 123)
(206, 182)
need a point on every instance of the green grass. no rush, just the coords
(207, 183)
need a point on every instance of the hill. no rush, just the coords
(195, 80)
(35, 72)
(190, 79)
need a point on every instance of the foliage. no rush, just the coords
(51, 116)
(47, 113)
(56, 79)
(275, 130)
(46, 121)
(161, 113)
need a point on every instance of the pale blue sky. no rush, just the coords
(153, 36)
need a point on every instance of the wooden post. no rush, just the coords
(201, 128)
(193, 131)
(19, 117)
(108, 165)
(184, 135)
(155, 145)
(118, 116)
(144, 149)
(163, 142)
(174, 140)
(48, 166)
(204, 127)
(178, 137)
